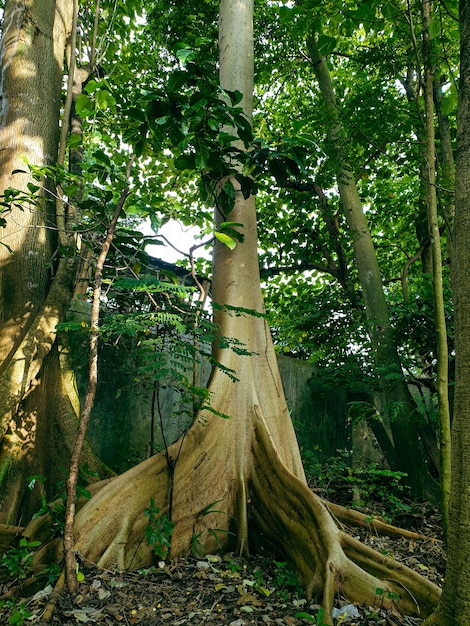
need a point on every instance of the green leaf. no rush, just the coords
(225, 239)
(136, 114)
(74, 141)
(80, 577)
(248, 185)
(202, 156)
(245, 131)
(84, 105)
(449, 100)
(185, 162)
(91, 86)
(102, 157)
(306, 616)
(33, 188)
(227, 197)
(185, 55)
(434, 28)
(225, 139)
(235, 96)
(285, 14)
(32, 480)
(326, 44)
(230, 225)
(229, 228)
(176, 81)
(105, 100)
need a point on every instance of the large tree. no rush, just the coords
(38, 401)
(231, 483)
(454, 607)
(239, 483)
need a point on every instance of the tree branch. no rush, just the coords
(69, 539)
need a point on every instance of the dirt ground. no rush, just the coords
(214, 590)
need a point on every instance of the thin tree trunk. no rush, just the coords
(442, 382)
(69, 538)
(407, 447)
(447, 164)
(454, 607)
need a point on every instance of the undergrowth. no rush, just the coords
(367, 487)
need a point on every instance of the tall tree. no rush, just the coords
(35, 289)
(454, 607)
(378, 48)
(442, 369)
(239, 482)
(382, 335)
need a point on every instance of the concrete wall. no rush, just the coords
(131, 418)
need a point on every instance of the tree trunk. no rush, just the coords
(33, 44)
(37, 398)
(442, 353)
(407, 457)
(454, 607)
(238, 483)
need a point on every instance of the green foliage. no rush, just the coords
(19, 612)
(286, 581)
(390, 595)
(268, 577)
(187, 116)
(55, 507)
(17, 561)
(171, 335)
(196, 544)
(50, 574)
(370, 486)
(276, 578)
(158, 531)
(314, 619)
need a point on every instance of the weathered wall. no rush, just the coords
(126, 423)
(320, 419)
(133, 419)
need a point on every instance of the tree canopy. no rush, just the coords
(313, 146)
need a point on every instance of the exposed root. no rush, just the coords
(356, 518)
(8, 534)
(58, 590)
(242, 518)
(329, 589)
(297, 524)
(420, 592)
(240, 471)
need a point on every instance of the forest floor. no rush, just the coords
(227, 590)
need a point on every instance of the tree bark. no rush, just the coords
(454, 607)
(442, 353)
(33, 43)
(37, 399)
